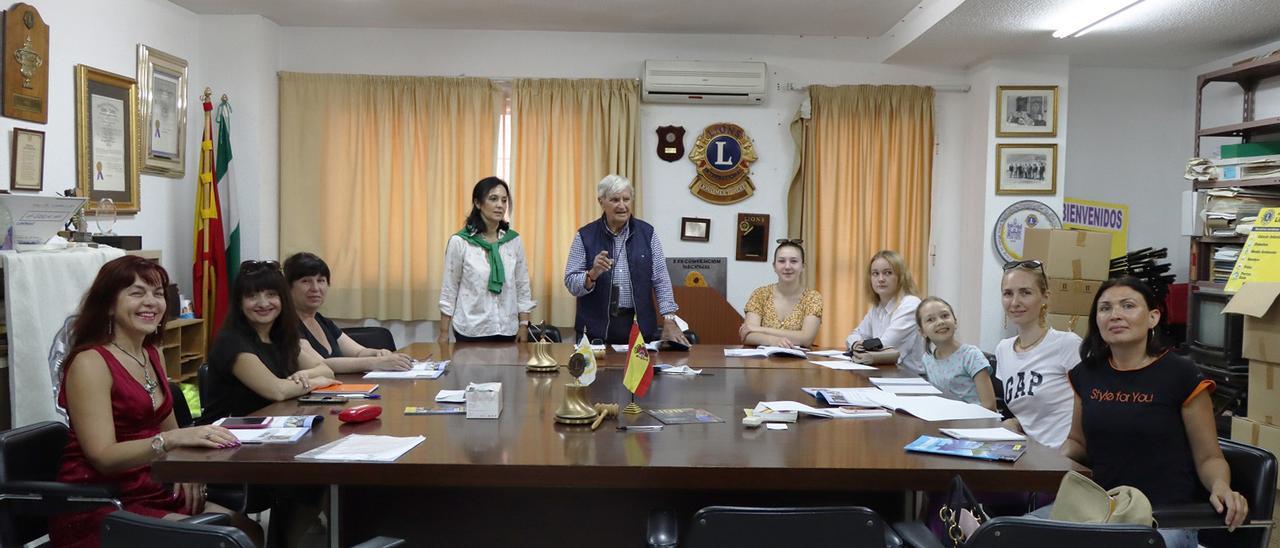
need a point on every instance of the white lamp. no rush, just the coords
(1097, 12)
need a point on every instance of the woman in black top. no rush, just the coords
(256, 358)
(1142, 415)
(308, 278)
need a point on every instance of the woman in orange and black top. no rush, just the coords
(1142, 415)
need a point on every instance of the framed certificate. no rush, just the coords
(162, 98)
(26, 165)
(106, 139)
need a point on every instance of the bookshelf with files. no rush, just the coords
(1215, 339)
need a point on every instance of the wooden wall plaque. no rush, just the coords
(26, 65)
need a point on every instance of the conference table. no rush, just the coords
(524, 479)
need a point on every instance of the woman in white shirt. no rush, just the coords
(485, 294)
(1032, 366)
(893, 318)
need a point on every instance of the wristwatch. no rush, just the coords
(157, 445)
(669, 317)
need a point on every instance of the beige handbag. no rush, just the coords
(1080, 500)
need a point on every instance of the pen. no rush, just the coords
(365, 397)
(641, 428)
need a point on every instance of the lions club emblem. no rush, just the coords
(722, 157)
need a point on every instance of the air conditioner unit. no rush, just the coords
(708, 82)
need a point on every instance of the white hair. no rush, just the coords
(613, 184)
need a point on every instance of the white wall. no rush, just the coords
(665, 192)
(1050, 70)
(1130, 140)
(104, 35)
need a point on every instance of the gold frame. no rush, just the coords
(15, 159)
(1053, 180)
(1053, 127)
(128, 201)
(150, 61)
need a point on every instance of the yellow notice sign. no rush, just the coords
(1260, 257)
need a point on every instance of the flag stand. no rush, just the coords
(632, 408)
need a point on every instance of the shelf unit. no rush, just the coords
(1247, 75)
(183, 348)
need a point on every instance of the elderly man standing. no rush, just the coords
(617, 270)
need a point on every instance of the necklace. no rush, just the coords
(1026, 347)
(149, 383)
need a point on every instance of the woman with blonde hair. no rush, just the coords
(1033, 365)
(893, 319)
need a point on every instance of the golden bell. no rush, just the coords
(574, 409)
(541, 362)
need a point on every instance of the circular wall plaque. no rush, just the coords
(1011, 227)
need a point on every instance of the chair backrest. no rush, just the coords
(57, 353)
(851, 526)
(1007, 531)
(181, 409)
(129, 530)
(372, 337)
(546, 330)
(29, 453)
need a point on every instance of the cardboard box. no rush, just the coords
(1264, 392)
(484, 400)
(1261, 320)
(1069, 254)
(1265, 436)
(1072, 297)
(1064, 322)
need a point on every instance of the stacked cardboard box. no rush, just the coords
(1076, 263)
(1261, 346)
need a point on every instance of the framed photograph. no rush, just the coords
(1026, 169)
(1026, 111)
(162, 99)
(694, 229)
(106, 139)
(753, 237)
(26, 160)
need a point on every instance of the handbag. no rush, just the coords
(1080, 500)
(961, 512)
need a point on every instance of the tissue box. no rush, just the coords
(484, 400)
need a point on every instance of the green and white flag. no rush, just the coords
(226, 192)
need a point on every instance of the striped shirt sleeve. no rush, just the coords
(575, 269)
(661, 279)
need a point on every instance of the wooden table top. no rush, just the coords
(526, 448)
(697, 357)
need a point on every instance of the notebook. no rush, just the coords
(347, 389)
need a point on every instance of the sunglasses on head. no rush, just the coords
(254, 267)
(1031, 264)
(792, 241)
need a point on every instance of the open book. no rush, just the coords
(843, 396)
(764, 352)
(905, 385)
(827, 412)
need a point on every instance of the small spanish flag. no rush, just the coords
(639, 371)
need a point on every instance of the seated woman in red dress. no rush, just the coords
(121, 411)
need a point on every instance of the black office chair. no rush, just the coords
(1253, 474)
(715, 526)
(1006, 531)
(372, 337)
(547, 331)
(29, 490)
(181, 410)
(129, 530)
(691, 335)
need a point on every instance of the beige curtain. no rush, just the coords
(375, 174)
(863, 183)
(566, 136)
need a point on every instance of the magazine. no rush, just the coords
(684, 415)
(1008, 451)
(286, 429)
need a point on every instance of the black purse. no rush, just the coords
(961, 512)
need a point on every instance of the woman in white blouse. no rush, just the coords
(485, 294)
(893, 318)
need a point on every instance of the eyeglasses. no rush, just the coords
(1031, 264)
(254, 267)
(795, 241)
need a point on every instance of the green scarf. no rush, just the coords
(497, 275)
